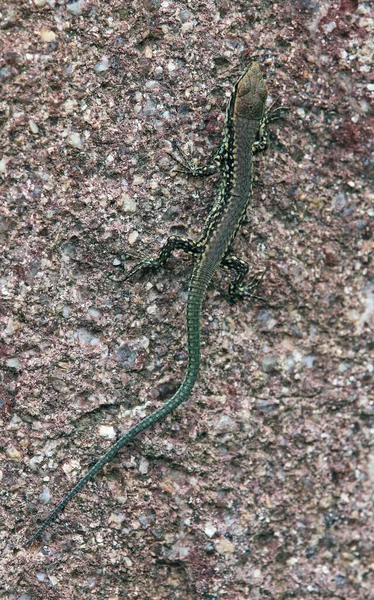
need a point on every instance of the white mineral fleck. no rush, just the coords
(33, 126)
(75, 140)
(143, 466)
(35, 462)
(13, 453)
(3, 163)
(127, 203)
(133, 237)
(45, 496)
(46, 35)
(107, 431)
(152, 309)
(12, 363)
(76, 8)
(70, 106)
(210, 530)
(103, 65)
(224, 546)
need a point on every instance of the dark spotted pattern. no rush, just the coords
(222, 160)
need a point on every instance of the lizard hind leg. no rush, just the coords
(237, 290)
(174, 242)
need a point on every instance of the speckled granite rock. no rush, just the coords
(260, 486)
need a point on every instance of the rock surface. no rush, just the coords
(260, 486)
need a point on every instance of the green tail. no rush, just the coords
(193, 334)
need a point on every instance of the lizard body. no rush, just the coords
(245, 133)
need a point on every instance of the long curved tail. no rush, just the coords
(193, 336)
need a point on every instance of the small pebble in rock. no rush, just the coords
(224, 546)
(210, 530)
(149, 108)
(45, 496)
(127, 203)
(13, 453)
(3, 163)
(33, 126)
(187, 27)
(35, 462)
(76, 8)
(86, 337)
(103, 65)
(172, 66)
(270, 364)
(116, 520)
(9, 19)
(69, 467)
(107, 431)
(12, 363)
(75, 140)
(133, 237)
(70, 106)
(143, 466)
(152, 309)
(46, 35)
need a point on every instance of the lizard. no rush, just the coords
(245, 133)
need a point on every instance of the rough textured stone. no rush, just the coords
(260, 486)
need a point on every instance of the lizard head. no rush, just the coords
(251, 93)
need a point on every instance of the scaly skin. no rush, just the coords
(245, 132)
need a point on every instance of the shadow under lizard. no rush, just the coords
(245, 133)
